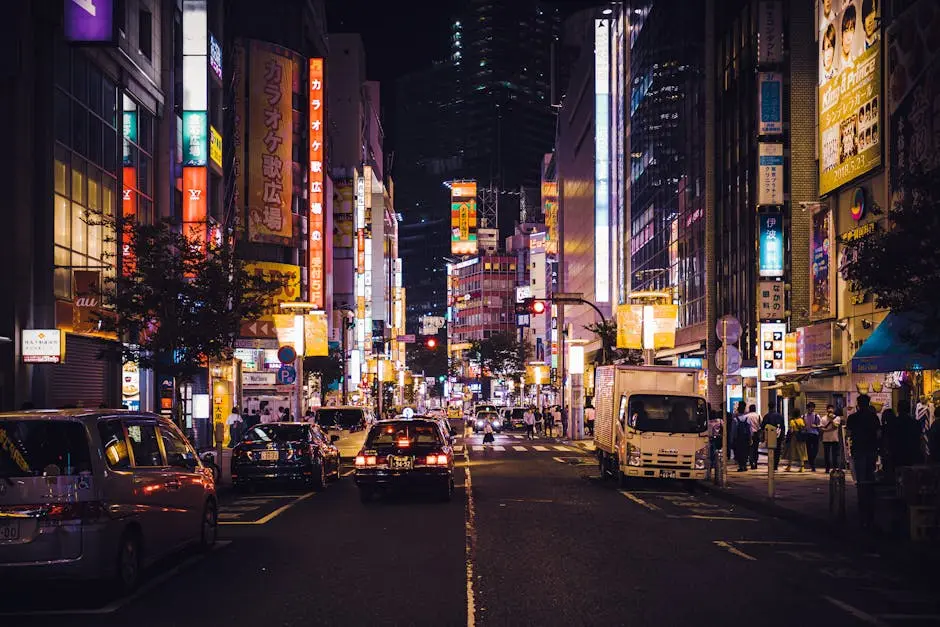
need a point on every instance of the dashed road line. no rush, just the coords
(650, 506)
(704, 517)
(851, 610)
(728, 546)
(540, 448)
(519, 448)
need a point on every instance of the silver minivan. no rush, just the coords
(98, 494)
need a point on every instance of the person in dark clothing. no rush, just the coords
(864, 429)
(775, 419)
(741, 432)
(905, 441)
(933, 437)
(888, 425)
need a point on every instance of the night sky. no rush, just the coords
(400, 37)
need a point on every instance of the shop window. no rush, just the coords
(63, 221)
(145, 33)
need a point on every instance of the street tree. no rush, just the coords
(899, 264)
(501, 355)
(179, 303)
(606, 332)
(329, 367)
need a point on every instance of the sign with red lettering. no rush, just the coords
(316, 182)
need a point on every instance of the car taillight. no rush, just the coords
(437, 460)
(366, 460)
(63, 513)
(296, 452)
(404, 442)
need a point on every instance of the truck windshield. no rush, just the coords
(667, 414)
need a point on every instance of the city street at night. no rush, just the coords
(531, 537)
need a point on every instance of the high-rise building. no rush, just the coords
(666, 180)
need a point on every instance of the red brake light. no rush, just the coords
(360, 460)
(404, 442)
(85, 512)
(437, 460)
(365, 460)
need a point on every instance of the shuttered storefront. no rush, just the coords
(87, 378)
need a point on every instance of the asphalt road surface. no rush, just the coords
(532, 537)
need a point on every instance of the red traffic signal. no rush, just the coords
(536, 307)
(431, 343)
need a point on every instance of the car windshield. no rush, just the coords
(344, 418)
(388, 434)
(35, 448)
(667, 414)
(487, 415)
(518, 412)
(260, 434)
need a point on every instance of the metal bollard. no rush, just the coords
(837, 495)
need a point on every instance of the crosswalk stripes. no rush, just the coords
(519, 448)
(540, 448)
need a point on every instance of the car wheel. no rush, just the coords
(128, 567)
(319, 478)
(366, 494)
(210, 526)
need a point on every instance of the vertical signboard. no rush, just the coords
(771, 300)
(195, 138)
(215, 148)
(914, 91)
(129, 216)
(215, 56)
(770, 31)
(238, 134)
(772, 349)
(316, 340)
(90, 21)
(664, 320)
(270, 176)
(195, 183)
(602, 160)
(630, 326)
(849, 91)
(315, 114)
(770, 241)
(770, 103)
(550, 207)
(770, 174)
(463, 220)
(822, 274)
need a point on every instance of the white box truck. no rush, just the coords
(651, 422)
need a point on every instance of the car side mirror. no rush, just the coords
(334, 439)
(190, 462)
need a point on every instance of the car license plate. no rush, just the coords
(9, 532)
(667, 474)
(269, 456)
(401, 463)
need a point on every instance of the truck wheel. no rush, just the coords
(602, 465)
(623, 480)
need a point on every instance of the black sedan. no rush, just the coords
(296, 452)
(407, 453)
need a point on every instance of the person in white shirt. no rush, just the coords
(235, 423)
(589, 418)
(830, 425)
(753, 420)
(529, 419)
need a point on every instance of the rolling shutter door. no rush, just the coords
(85, 378)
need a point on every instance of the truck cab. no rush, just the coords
(650, 423)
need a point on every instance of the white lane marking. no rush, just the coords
(775, 542)
(519, 448)
(280, 510)
(540, 448)
(499, 448)
(641, 502)
(141, 591)
(865, 617)
(563, 448)
(734, 550)
(349, 472)
(704, 517)
(477, 447)
(470, 537)
(933, 618)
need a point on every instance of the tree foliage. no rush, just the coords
(180, 305)
(606, 332)
(330, 367)
(899, 265)
(501, 355)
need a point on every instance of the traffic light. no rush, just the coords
(536, 307)
(431, 343)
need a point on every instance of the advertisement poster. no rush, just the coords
(771, 244)
(316, 335)
(770, 174)
(270, 177)
(287, 275)
(914, 90)
(770, 31)
(630, 326)
(772, 350)
(770, 103)
(463, 223)
(665, 319)
(849, 91)
(822, 273)
(238, 133)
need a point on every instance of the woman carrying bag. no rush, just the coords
(796, 441)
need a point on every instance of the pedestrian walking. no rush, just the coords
(741, 437)
(811, 434)
(539, 421)
(906, 441)
(829, 426)
(887, 445)
(564, 422)
(863, 429)
(753, 420)
(267, 416)
(528, 417)
(589, 418)
(488, 435)
(796, 441)
(715, 424)
(774, 419)
(235, 424)
(549, 420)
(557, 415)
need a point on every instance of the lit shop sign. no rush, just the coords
(42, 346)
(601, 161)
(90, 21)
(195, 138)
(129, 215)
(772, 349)
(771, 244)
(129, 123)
(194, 204)
(215, 56)
(317, 159)
(463, 218)
(690, 362)
(215, 147)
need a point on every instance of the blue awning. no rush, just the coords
(887, 349)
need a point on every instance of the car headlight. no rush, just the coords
(497, 423)
(634, 456)
(701, 458)
(479, 423)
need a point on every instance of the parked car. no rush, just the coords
(344, 418)
(298, 452)
(98, 494)
(513, 418)
(405, 453)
